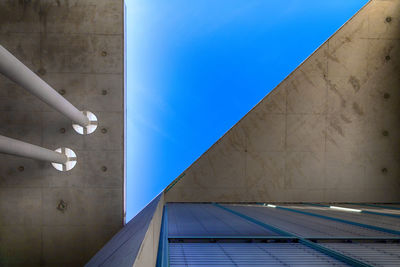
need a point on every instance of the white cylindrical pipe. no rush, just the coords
(22, 149)
(16, 71)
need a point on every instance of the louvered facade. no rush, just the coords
(294, 235)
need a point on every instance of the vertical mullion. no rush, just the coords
(163, 249)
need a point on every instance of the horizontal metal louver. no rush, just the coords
(208, 220)
(246, 254)
(305, 225)
(360, 217)
(375, 254)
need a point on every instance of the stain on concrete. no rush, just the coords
(345, 119)
(335, 125)
(305, 75)
(294, 86)
(355, 83)
(15, 12)
(348, 38)
(331, 140)
(357, 109)
(321, 67)
(43, 16)
(331, 57)
(333, 88)
(20, 52)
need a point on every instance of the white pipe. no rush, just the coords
(16, 71)
(22, 149)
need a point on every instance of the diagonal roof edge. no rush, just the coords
(180, 176)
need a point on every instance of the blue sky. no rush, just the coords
(195, 67)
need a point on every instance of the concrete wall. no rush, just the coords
(137, 243)
(76, 46)
(330, 132)
(147, 255)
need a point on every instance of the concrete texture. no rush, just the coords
(77, 47)
(330, 132)
(136, 244)
(147, 255)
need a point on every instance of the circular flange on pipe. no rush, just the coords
(84, 130)
(71, 160)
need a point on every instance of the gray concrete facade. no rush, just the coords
(330, 132)
(47, 217)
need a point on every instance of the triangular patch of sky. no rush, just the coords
(196, 67)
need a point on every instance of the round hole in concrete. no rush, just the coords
(386, 95)
(104, 53)
(385, 133)
(21, 168)
(387, 58)
(70, 164)
(384, 170)
(104, 168)
(104, 92)
(104, 130)
(84, 130)
(62, 92)
(388, 19)
(62, 130)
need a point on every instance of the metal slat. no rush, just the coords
(304, 225)
(365, 216)
(359, 224)
(208, 220)
(247, 254)
(228, 252)
(375, 254)
(390, 221)
(316, 247)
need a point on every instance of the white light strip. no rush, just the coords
(344, 209)
(271, 206)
